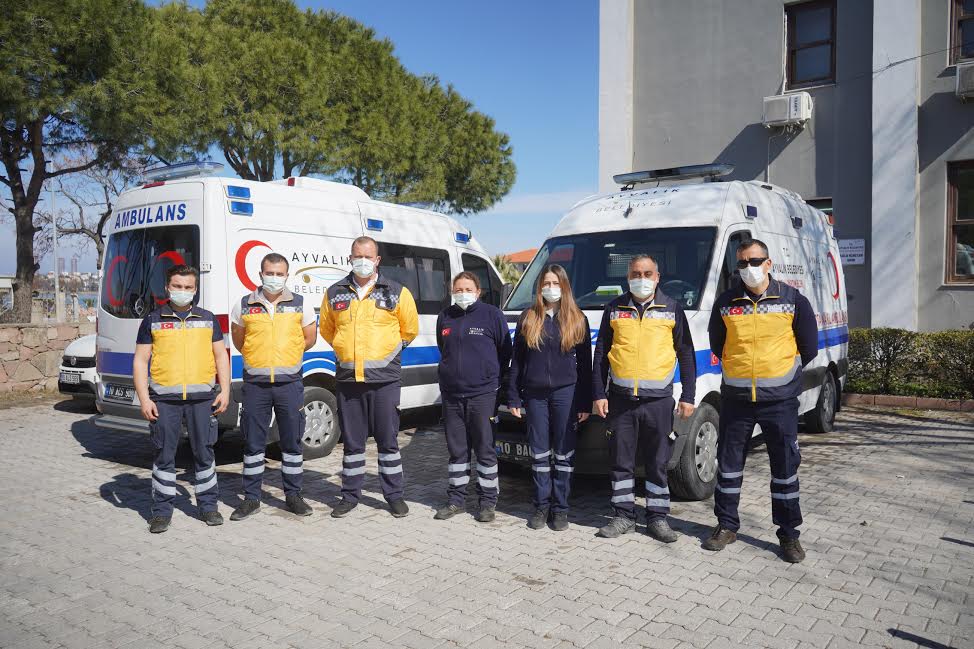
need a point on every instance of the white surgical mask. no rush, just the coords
(363, 267)
(551, 293)
(181, 298)
(273, 283)
(464, 300)
(642, 288)
(753, 276)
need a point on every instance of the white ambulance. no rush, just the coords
(224, 226)
(693, 230)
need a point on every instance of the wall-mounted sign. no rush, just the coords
(852, 251)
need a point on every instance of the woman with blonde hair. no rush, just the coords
(551, 380)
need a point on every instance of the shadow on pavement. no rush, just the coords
(918, 640)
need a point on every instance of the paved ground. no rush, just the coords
(889, 531)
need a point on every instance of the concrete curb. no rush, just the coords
(922, 403)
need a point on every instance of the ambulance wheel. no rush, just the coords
(821, 418)
(321, 431)
(694, 476)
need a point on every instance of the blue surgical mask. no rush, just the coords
(464, 300)
(181, 298)
(642, 287)
(273, 283)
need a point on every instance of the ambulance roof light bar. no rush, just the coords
(182, 170)
(709, 171)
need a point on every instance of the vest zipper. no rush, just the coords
(273, 338)
(754, 342)
(185, 359)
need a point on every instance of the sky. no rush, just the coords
(531, 65)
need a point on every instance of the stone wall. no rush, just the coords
(30, 355)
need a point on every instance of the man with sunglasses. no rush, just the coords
(764, 332)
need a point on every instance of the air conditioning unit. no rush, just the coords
(787, 110)
(965, 80)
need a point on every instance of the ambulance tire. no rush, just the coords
(821, 418)
(695, 474)
(320, 437)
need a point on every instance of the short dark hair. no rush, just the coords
(642, 256)
(753, 242)
(466, 274)
(359, 241)
(183, 269)
(274, 258)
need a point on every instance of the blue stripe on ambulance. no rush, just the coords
(120, 363)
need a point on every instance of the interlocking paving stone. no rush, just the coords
(889, 530)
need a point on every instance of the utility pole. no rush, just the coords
(58, 302)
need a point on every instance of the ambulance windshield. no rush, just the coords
(597, 264)
(134, 273)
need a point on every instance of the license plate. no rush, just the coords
(68, 377)
(122, 393)
(513, 451)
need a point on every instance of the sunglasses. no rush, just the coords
(753, 261)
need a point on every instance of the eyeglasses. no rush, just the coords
(753, 261)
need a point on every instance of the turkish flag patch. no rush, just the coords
(168, 325)
(445, 332)
(713, 359)
(340, 306)
(737, 310)
(254, 310)
(625, 314)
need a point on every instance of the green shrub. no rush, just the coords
(900, 362)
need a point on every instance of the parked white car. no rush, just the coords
(78, 377)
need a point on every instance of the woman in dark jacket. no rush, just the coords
(551, 378)
(475, 350)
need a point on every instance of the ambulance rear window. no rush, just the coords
(136, 261)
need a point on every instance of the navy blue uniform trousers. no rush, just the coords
(286, 402)
(165, 433)
(631, 423)
(779, 426)
(468, 425)
(370, 409)
(552, 428)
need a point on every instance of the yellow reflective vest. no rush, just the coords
(368, 335)
(273, 349)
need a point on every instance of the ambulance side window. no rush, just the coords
(490, 284)
(424, 271)
(728, 269)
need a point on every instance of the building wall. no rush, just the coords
(946, 127)
(700, 71)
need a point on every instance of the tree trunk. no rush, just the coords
(26, 266)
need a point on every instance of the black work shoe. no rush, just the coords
(618, 526)
(559, 521)
(719, 539)
(297, 505)
(342, 508)
(538, 519)
(399, 508)
(486, 514)
(447, 511)
(212, 519)
(791, 550)
(660, 530)
(159, 524)
(245, 509)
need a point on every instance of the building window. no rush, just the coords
(810, 30)
(821, 204)
(961, 30)
(960, 222)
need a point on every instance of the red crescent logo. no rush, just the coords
(240, 262)
(114, 301)
(176, 260)
(835, 269)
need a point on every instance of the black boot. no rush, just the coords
(159, 524)
(297, 505)
(245, 509)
